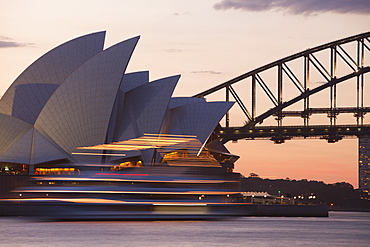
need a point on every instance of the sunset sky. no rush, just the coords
(207, 42)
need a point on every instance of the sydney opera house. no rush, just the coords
(77, 105)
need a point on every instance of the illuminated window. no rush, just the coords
(55, 171)
(126, 164)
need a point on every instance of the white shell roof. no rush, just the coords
(52, 68)
(129, 82)
(79, 95)
(11, 129)
(19, 150)
(145, 107)
(78, 112)
(133, 80)
(198, 119)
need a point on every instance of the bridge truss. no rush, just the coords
(324, 66)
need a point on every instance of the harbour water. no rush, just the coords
(339, 229)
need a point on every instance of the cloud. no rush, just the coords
(298, 6)
(6, 42)
(182, 13)
(206, 72)
(4, 38)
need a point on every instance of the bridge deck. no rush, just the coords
(278, 134)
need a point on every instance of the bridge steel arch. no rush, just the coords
(338, 51)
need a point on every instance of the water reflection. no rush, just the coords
(341, 229)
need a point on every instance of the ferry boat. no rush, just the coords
(133, 193)
(188, 183)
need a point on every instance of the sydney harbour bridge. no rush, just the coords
(325, 80)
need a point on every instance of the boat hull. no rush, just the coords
(67, 211)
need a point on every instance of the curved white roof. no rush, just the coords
(52, 68)
(145, 107)
(78, 112)
(11, 129)
(79, 95)
(198, 119)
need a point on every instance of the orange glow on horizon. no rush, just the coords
(299, 159)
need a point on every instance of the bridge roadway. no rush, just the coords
(278, 134)
(331, 112)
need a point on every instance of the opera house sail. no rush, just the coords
(78, 96)
(101, 143)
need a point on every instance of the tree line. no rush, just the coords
(339, 196)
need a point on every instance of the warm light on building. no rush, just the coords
(118, 119)
(55, 171)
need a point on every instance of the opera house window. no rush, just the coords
(13, 169)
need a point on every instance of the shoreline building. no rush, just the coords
(364, 164)
(79, 95)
